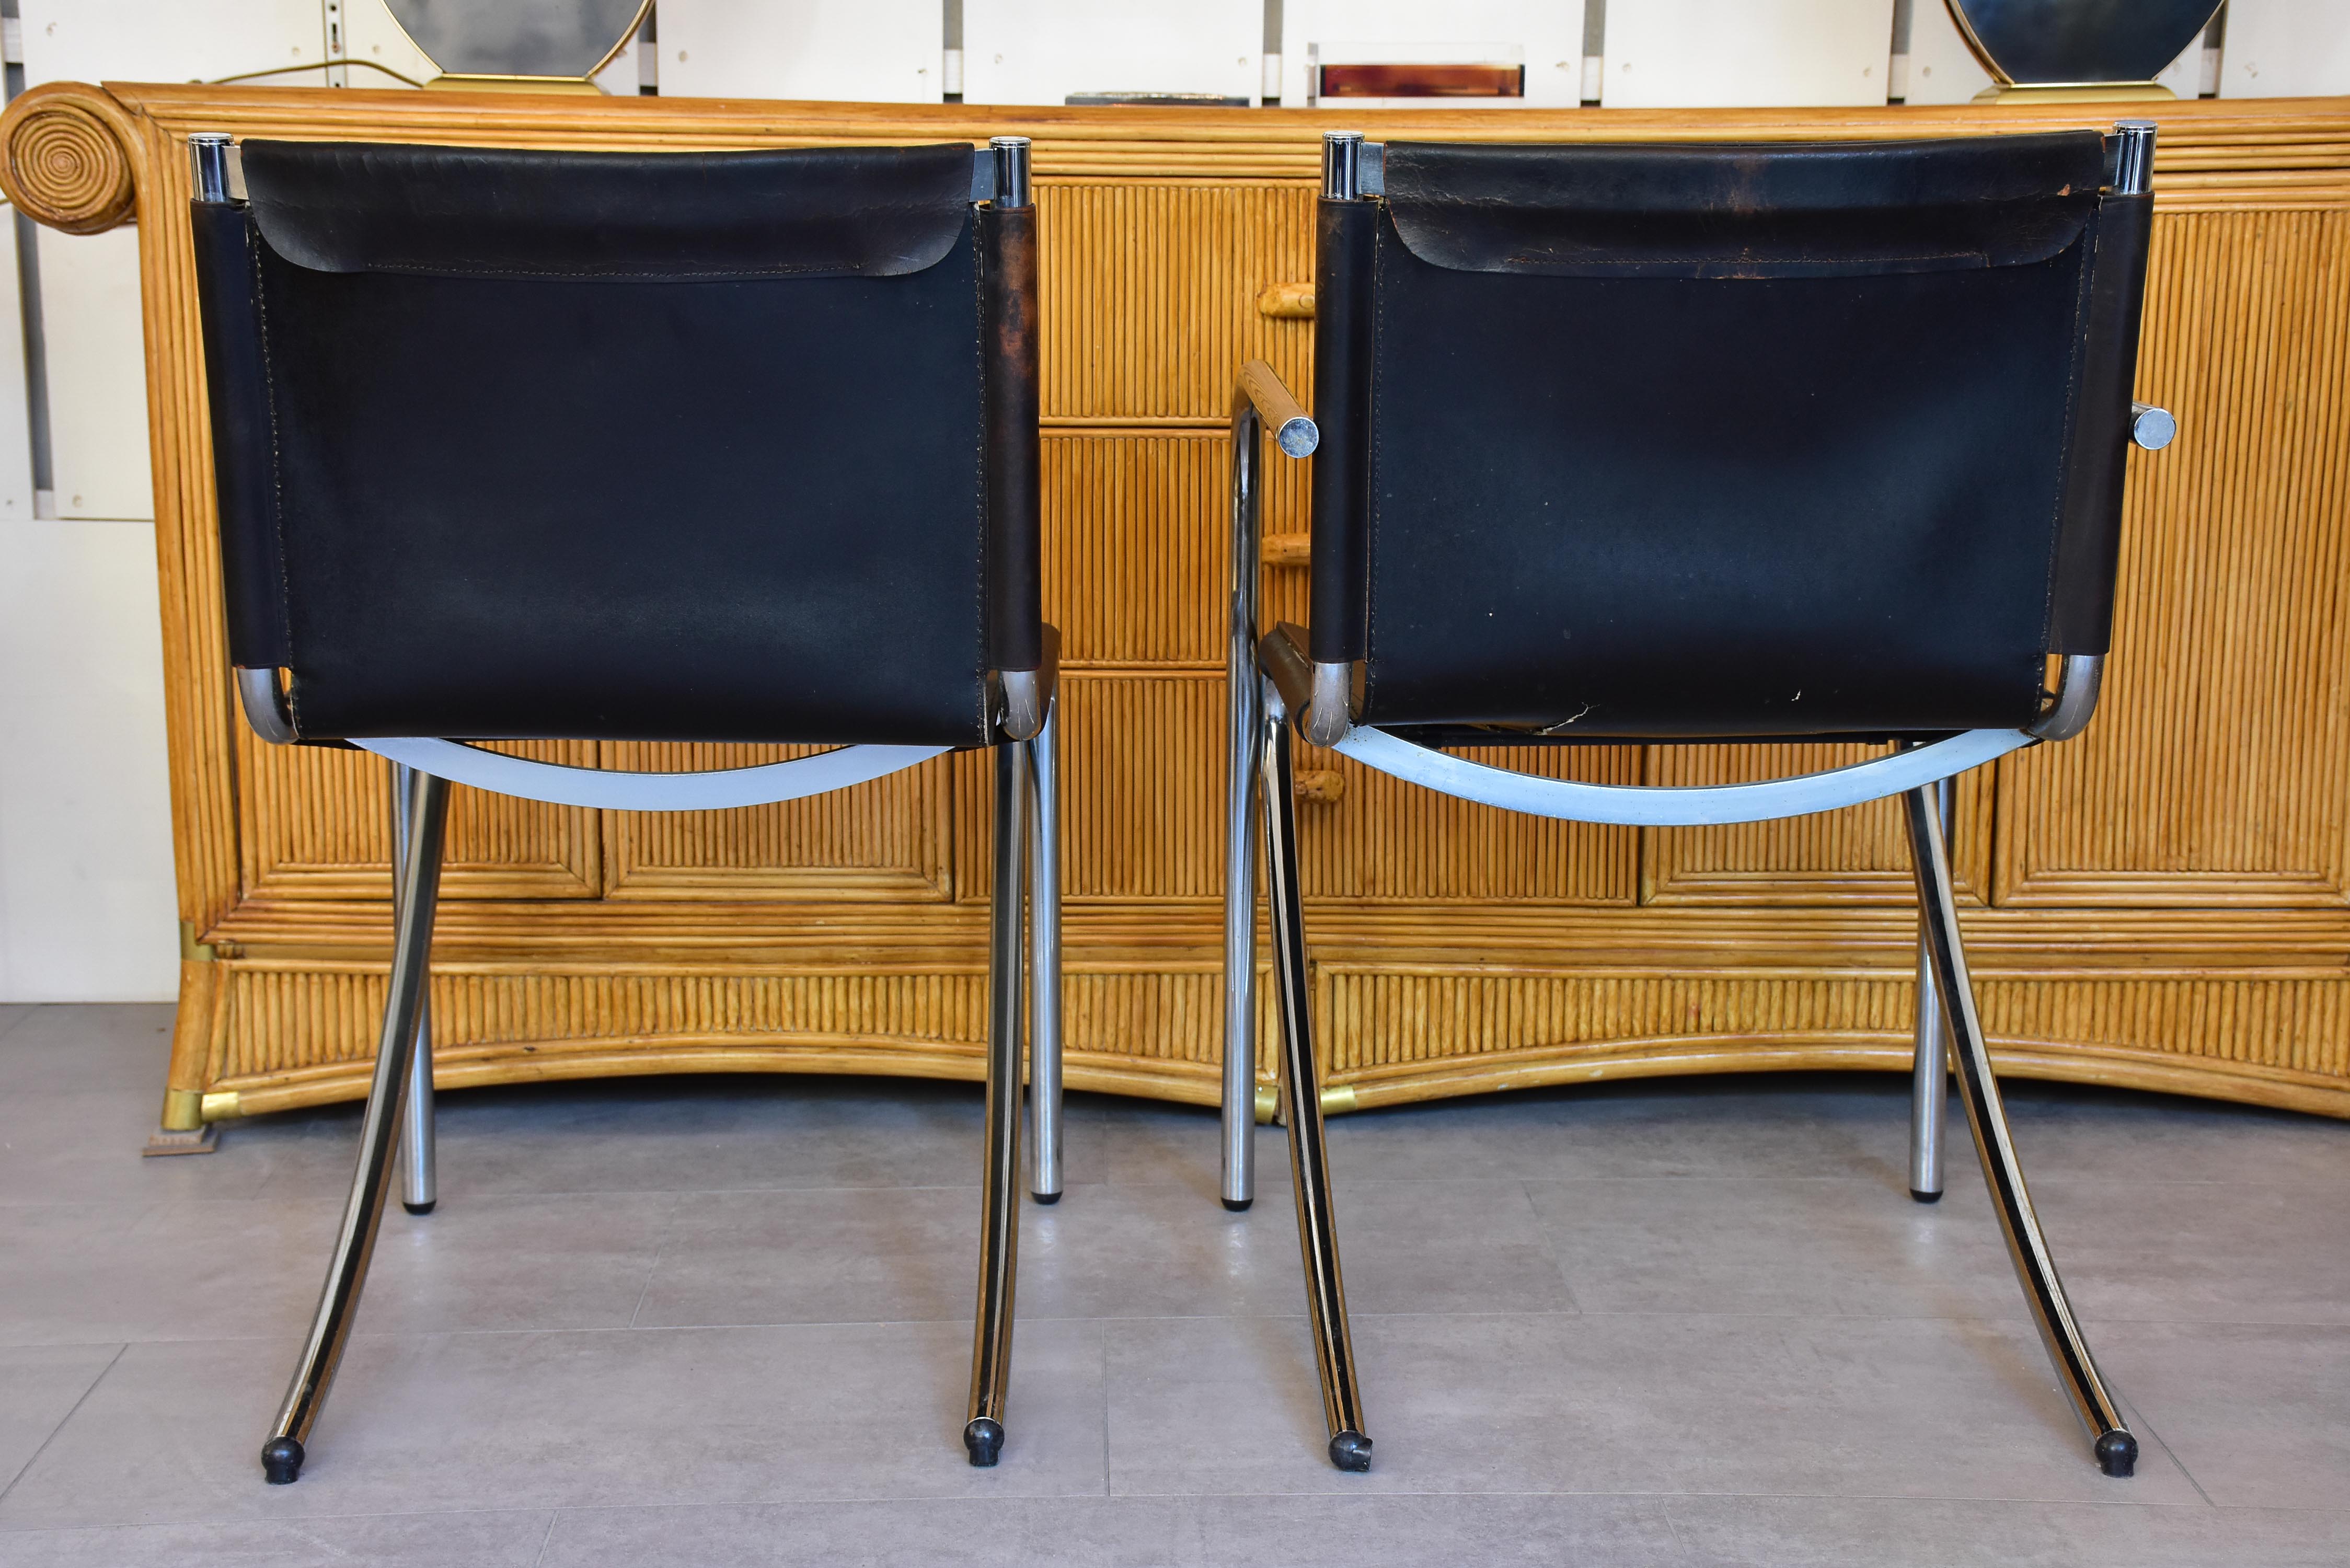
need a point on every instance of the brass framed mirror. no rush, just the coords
(519, 45)
(2062, 50)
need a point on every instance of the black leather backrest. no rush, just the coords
(1719, 440)
(619, 446)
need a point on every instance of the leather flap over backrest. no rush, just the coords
(355, 207)
(1760, 210)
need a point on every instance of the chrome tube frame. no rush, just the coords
(991, 1350)
(1258, 397)
(322, 1353)
(215, 168)
(1301, 1091)
(1929, 1079)
(1045, 961)
(2083, 677)
(419, 1189)
(2116, 1447)
(264, 705)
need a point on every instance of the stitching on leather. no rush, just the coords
(1371, 458)
(2084, 306)
(276, 486)
(978, 257)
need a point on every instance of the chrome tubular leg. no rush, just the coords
(2116, 1449)
(1045, 962)
(1929, 1080)
(1317, 1236)
(991, 1350)
(1240, 826)
(419, 1189)
(420, 885)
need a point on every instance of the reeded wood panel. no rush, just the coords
(2215, 772)
(1136, 525)
(1861, 853)
(1386, 1024)
(1149, 292)
(1384, 1020)
(1142, 774)
(883, 840)
(2298, 1025)
(316, 823)
(1384, 839)
(279, 1019)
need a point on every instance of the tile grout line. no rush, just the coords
(34, 1458)
(540, 1556)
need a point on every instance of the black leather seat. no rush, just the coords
(1693, 444)
(627, 446)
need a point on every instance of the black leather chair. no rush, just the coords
(1688, 443)
(731, 447)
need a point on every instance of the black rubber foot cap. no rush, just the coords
(281, 1461)
(420, 1208)
(1239, 1205)
(1925, 1196)
(985, 1438)
(2117, 1453)
(1351, 1451)
(1046, 1198)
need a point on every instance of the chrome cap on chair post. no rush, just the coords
(2131, 150)
(217, 170)
(1011, 154)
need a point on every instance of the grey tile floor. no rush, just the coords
(727, 1321)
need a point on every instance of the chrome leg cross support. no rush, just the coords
(418, 1190)
(1044, 961)
(2116, 1449)
(1259, 401)
(1929, 1082)
(418, 875)
(1317, 1236)
(1240, 822)
(990, 1349)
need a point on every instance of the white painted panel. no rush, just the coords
(97, 374)
(1548, 32)
(1041, 51)
(2286, 48)
(90, 286)
(87, 911)
(1942, 69)
(170, 40)
(1697, 54)
(16, 429)
(878, 51)
(370, 33)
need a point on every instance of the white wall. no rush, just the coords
(1041, 51)
(2286, 48)
(1687, 54)
(876, 51)
(87, 908)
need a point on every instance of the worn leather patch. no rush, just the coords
(1756, 209)
(638, 217)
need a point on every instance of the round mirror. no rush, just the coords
(2077, 43)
